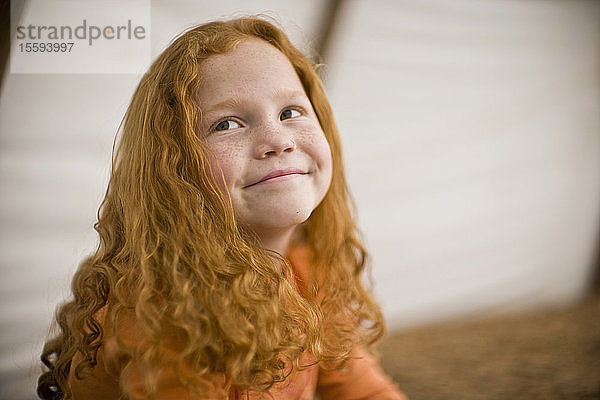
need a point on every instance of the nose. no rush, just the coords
(273, 140)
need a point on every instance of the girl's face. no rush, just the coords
(266, 139)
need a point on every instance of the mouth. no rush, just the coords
(278, 175)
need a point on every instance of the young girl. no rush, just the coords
(229, 265)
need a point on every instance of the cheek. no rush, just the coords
(223, 167)
(322, 155)
(329, 171)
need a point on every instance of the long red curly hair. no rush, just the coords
(171, 252)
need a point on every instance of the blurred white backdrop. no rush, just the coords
(471, 132)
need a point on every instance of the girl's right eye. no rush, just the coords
(226, 125)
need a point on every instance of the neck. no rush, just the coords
(277, 240)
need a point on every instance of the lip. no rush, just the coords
(280, 173)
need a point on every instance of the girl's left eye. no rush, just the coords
(289, 113)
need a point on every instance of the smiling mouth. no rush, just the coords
(276, 176)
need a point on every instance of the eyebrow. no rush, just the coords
(289, 93)
(234, 102)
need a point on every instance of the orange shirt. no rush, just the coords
(362, 379)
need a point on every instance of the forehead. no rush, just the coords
(251, 67)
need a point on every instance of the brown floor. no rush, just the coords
(544, 356)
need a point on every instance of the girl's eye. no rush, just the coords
(289, 113)
(226, 125)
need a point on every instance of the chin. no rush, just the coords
(287, 219)
(281, 219)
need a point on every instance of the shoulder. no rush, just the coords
(360, 379)
(102, 379)
(119, 332)
(119, 370)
